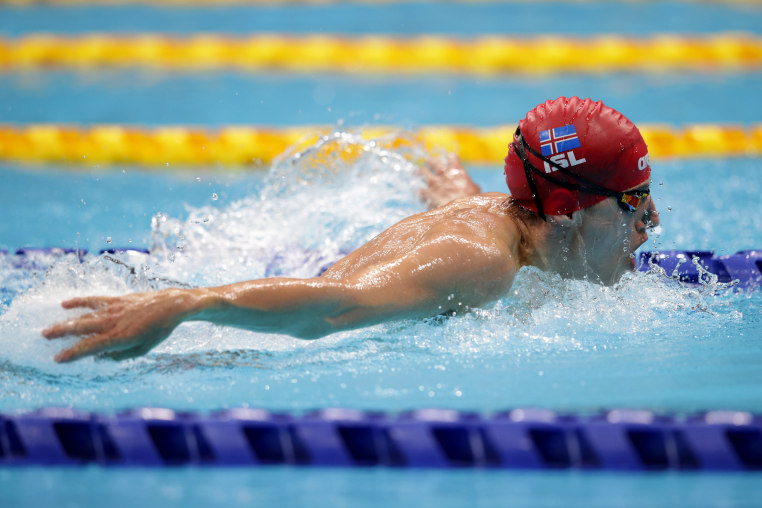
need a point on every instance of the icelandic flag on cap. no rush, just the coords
(560, 139)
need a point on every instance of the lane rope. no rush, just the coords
(485, 56)
(168, 147)
(741, 271)
(622, 440)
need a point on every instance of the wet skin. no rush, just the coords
(467, 251)
(608, 238)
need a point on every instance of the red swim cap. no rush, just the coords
(588, 139)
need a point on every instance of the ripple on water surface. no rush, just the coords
(645, 342)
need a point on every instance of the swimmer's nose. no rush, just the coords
(649, 219)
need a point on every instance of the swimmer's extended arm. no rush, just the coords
(433, 279)
(446, 179)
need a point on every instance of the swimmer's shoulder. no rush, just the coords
(501, 227)
(486, 198)
(483, 216)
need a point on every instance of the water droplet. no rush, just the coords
(669, 208)
(215, 197)
(108, 239)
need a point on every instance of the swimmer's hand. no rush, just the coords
(124, 326)
(446, 179)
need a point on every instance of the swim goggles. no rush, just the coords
(628, 201)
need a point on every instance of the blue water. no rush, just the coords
(566, 345)
(706, 204)
(242, 98)
(374, 487)
(403, 18)
(682, 350)
(673, 349)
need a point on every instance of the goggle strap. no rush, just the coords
(528, 168)
(628, 201)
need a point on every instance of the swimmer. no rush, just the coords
(579, 205)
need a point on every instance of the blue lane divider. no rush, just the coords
(743, 266)
(628, 440)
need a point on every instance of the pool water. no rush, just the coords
(648, 342)
(548, 343)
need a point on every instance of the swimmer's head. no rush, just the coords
(569, 154)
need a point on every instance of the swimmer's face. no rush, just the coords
(611, 235)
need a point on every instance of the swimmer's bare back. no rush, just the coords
(463, 254)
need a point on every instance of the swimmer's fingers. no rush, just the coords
(428, 172)
(444, 166)
(83, 325)
(440, 163)
(95, 344)
(446, 179)
(89, 302)
(117, 343)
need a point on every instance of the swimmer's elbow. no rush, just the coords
(318, 329)
(310, 333)
(350, 317)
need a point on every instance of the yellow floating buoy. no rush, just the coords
(250, 146)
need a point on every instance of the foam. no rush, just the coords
(316, 205)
